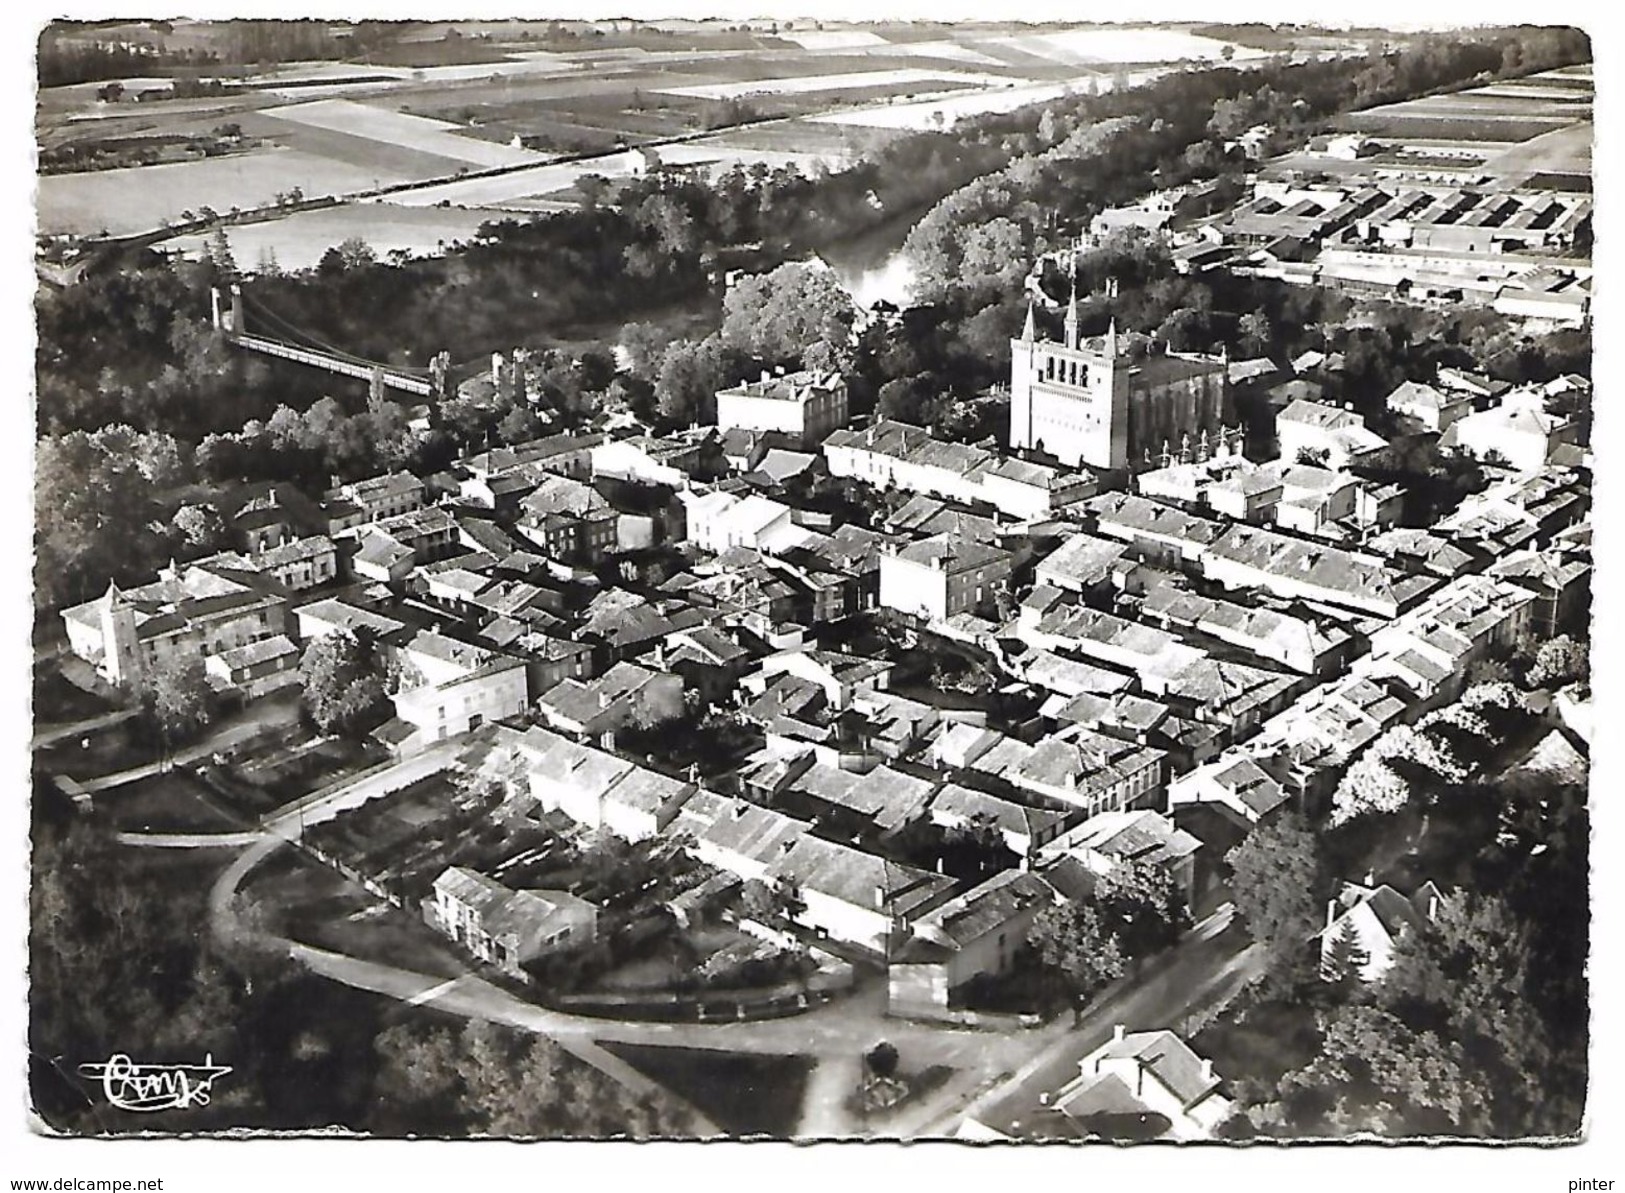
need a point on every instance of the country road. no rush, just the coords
(987, 1064)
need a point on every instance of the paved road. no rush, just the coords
(266, 718)
(1200, 972)
(52, 734)
(290, 819)
(991, 1066)
(189, 840)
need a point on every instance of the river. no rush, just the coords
(871, 265)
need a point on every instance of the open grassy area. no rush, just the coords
(101, 752)
(744, 1095)
(170, 803)
(58, 701)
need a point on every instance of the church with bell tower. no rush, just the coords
(1111, 402)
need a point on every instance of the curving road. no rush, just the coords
(989, 1065)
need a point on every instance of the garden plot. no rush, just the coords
(437, 137)
(144, 198)
(897, 79)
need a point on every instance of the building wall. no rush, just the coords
(862, 926)
(440, 713)
(917, 589)
(1070, 403)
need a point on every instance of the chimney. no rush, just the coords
(1207, 1069)
(880, 897)
(740, 807)
(1117, 1033)
(1331, 912)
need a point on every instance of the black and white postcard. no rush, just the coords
(788, 578)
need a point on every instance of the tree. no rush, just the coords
(220, 254)
(909, 400)
(1275, 873)
(1376, 1074)
(779, 315)
(1560, 661)
(1073, 942)
(203, 527)
(344, 684)
(881, 1060)
(644, 346)
(92, 511)
(1468, 973)
(1370, 786)
(690, 374)
(768, 902)
(1345, 958)
(1142, 906)
(176, 698)
(492, 1080)
(1256, 333)
(355, 253)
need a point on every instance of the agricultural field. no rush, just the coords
(545, 187)
(945, 112)
(438, 138)
(1110, 47)
(835, 39)
(856, 80)
(516, 96)
(143, 198)
(298, 241)
(1515, 113)
(1563, 154)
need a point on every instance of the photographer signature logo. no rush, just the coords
(143, 1088)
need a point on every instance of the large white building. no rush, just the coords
(807, 405)
(1111, 402)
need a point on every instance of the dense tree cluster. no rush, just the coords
(345, 682)
(96, 497)
(1135, 911)
(482, 1079)
(1275, 874)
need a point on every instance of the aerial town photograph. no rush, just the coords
(1003, 581)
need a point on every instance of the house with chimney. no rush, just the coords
(626, 694)
(1366, 923)
(806, 406)
(974, 935)
(1153, 1077)
(188, 613)
(507, 928)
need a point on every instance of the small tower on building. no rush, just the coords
(121, 659)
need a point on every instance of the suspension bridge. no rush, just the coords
(304, 348)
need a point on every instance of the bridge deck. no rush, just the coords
(334, 364)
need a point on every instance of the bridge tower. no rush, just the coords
(230, 320)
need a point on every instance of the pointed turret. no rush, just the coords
(1028, 333)
(113, 596)
(1111, 339)
(1072, 317)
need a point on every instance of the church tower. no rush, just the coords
(121, 660)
